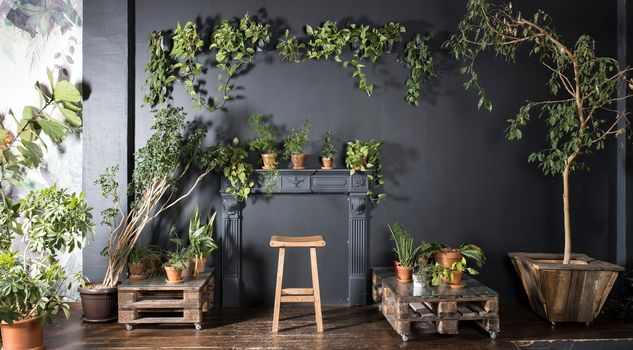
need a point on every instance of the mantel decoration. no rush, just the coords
(35, 228)
(328, 152)
(364, 156)
(295, 143)
(583, 87)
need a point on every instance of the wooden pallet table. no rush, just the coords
(151, 300)
(401, 304)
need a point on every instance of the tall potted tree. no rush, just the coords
(583, 86)
(49, 221)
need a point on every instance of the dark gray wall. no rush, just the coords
(451, 175)
(106, 110)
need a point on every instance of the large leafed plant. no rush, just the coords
(579, 115)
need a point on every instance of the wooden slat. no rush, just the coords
(297, 299)
(475, 308)
(421, 309)
(160, 320)
(297, 291)
(465, 311)
(161, 304)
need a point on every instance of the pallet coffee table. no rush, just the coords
(444, 307)
(156, 301)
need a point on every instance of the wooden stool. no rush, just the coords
(298, 295)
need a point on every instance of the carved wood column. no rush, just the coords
(358, 241)
(231, 244)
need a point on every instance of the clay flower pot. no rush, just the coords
(457, 279)
(174, 275)
(404, 274)
(396, 263)
(298, 161)
(447, 257)
(99, 304)
(137, 271)
(23, 335)
(269, 161)
(199, 265)
(327, 162)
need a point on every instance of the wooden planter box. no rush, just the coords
(561, 292)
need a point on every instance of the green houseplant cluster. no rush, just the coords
(364, 156)
(48, 221)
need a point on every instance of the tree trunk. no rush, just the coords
(567, 253)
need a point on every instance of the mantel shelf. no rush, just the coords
(309, 181)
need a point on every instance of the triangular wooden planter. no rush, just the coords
(565, 292)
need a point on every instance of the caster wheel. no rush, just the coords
(493, 335)
(198, 326)
(587, 324)
(128, 327)
(404, 337)
(553, 324)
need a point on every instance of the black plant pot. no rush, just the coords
(99, 304)
(389, 47)
(354, 46)
(261, 45)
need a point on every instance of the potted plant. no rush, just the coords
(177, 260)
(37, 227)
(167, 157)
(364, 156)
(141, 260)
(405, 251)
(201, 242)
(584, 88)
(451, 275)
(328, 152)
(265, 141)
(446, 256)
(398, 233)
(390, 33)
(295, 143)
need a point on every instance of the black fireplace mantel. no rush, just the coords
(309, 181)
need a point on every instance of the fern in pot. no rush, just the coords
(141, 262)
(295, 143)
(201, 242)
(177, 261)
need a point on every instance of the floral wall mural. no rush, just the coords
(36, 35)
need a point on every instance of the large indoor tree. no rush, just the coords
(579, 116)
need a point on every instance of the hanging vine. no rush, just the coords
(418, 59)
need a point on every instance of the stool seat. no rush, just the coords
(297, 241)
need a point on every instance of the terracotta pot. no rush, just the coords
(396, 263)
(447, 257)
(298, 161)
(457, 279)
(269, 161)
(327, 162)
(199, 265)
(137, 270)
(23, 335)
(173, 274)
(99, 304)
(404, 273)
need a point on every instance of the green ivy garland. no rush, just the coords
(418, 59)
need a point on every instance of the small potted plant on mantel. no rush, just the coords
(295, 143)
(328, 152)
(201, 242)
(583, 89)
(405, 250)
(265, 141)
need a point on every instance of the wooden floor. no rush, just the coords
(345, 328)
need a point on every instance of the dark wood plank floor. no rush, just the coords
(345, 328)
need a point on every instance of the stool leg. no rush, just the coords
(280, 276)
(317, 291)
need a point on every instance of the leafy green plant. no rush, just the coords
(235, 43)
(583, 87)
(297, 140)
(440, 274)
(266, 140)
(291, 49)
(201, 242)
(468, 250)
(236, 170)
(186, 46)
(418, 59)
(140, 255)
(49, 221)
(405, 249)
(328, 150)
(178, 258)
(158, 166)
(364, 156)
(158, 83)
